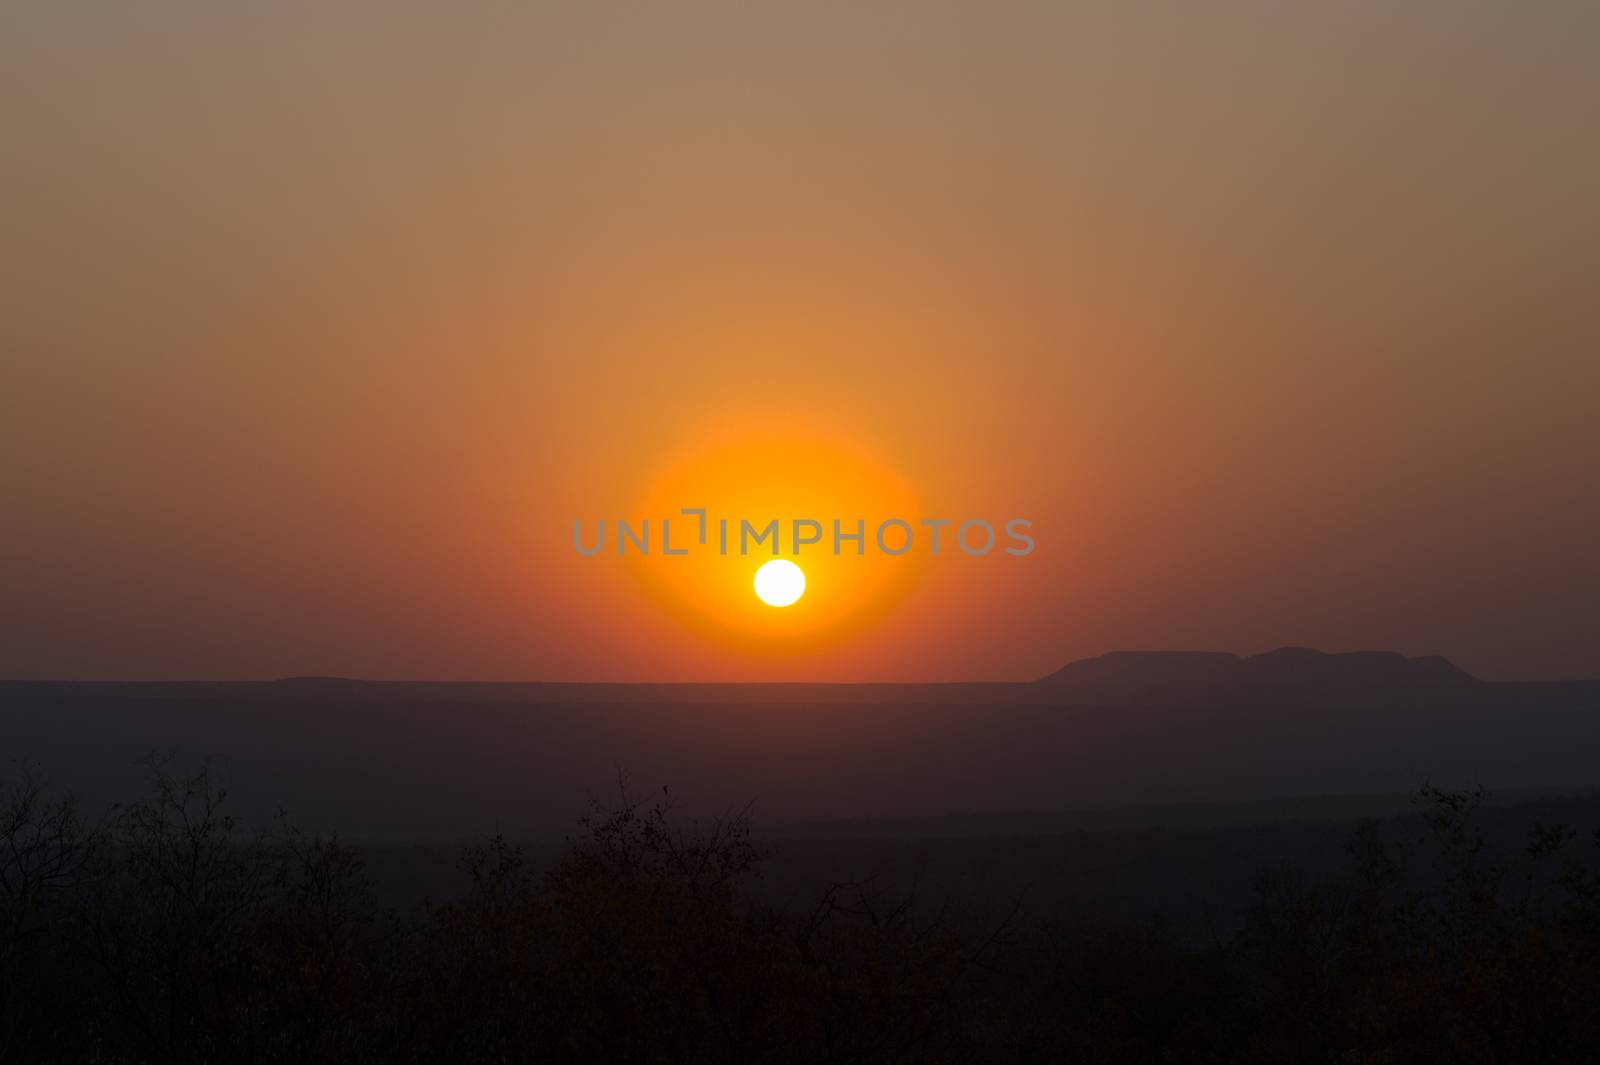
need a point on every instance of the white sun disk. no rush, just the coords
(780, 582)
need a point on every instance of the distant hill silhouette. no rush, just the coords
(1287, 667)
(407, 761)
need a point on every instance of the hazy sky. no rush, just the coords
(320, 323)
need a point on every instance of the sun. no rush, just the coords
(762, 468)
(780, 582)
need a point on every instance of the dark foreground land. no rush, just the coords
(166, 931)
(841, 912)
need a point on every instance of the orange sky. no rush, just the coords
(319, 326)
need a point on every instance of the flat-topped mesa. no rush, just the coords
(1303, 665)
(1285, 667)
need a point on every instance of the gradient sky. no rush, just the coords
(319, 323)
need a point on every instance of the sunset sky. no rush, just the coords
(321, 323)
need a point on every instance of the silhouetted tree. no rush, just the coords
(47, 848)
(218, 944)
